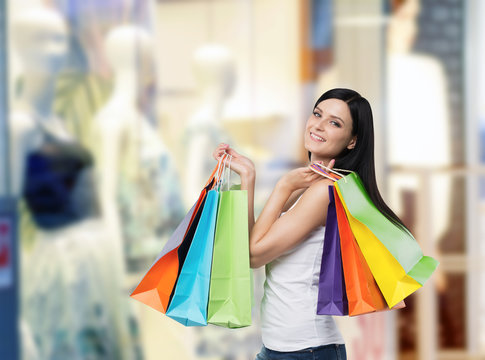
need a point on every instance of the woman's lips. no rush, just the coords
(316, 137)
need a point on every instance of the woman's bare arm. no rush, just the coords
(291, 200)
(273, 235)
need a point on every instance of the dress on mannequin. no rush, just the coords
(66, 279)
(140, 192)
(139, 186)
(65, 276)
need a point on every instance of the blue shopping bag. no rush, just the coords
(189, 302)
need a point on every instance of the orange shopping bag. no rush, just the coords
(363, 294)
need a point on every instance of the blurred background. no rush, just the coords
(126, 100)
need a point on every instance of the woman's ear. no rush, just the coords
(352, 143)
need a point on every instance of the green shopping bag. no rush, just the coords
(230, 294)
(392, 254)
(400, 243)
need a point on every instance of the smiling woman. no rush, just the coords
(290, 243)
(326, 134)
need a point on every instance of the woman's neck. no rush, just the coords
(325, 162)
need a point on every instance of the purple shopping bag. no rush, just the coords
(332, 298)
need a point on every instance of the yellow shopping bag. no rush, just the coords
(393, 281)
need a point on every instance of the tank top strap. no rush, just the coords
(292, 206)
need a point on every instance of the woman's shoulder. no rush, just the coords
(320, 188)
(313, 203)
(316, 194)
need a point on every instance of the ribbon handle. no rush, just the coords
(328, 172)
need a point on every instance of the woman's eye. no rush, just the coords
(335, 122)
(316, 114)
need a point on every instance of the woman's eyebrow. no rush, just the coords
(333, 116)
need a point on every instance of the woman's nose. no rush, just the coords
(320, 125)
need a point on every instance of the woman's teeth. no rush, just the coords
(316, 137)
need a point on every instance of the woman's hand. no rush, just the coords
(239, 163)
(302, 177)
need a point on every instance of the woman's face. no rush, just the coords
(329, 130)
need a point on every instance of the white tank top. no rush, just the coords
(289, 305)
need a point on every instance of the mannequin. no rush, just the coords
(64, 279)
(135, 167)
(139, 186)
(214, 72)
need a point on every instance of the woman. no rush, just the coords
(288, 236)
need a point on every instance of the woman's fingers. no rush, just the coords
(219, 151)
(330, 164)
(309, 176)
(232, 152)
(312, 176)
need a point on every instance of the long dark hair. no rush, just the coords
(361, 158)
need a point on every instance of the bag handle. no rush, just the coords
(216, 174)
(226, 173)
(212, 175)
(220, 181)
(317, 167)
(228, 170)
(321, 172)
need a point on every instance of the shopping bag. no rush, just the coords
(189, 302)
(363, 294)
(390, 276)
(332, 298)
(400, 243)
(230, 295)
(391, 265)
(157, 286)
(393, 255)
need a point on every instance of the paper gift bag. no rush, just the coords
(230, 295)
(400, 242)
(393, 255)
(363, 294)
(332, 298)
(157, 286)
(397, 274)
(390, 276)
(189, 302)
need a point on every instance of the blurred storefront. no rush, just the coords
(111, 110)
